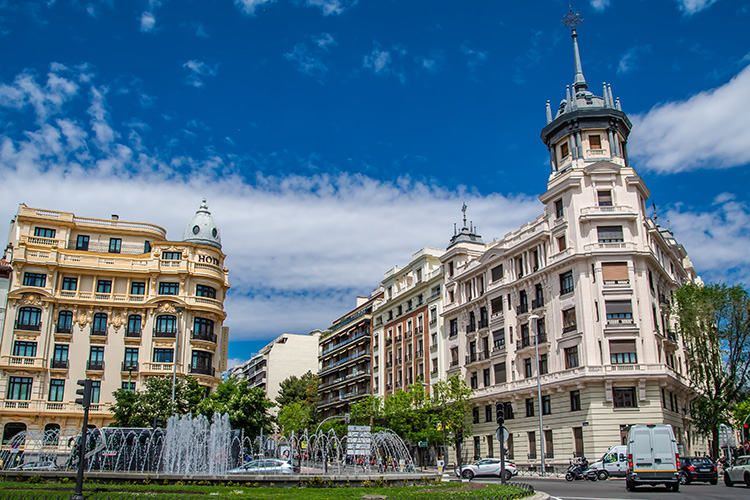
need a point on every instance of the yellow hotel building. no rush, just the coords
(109, 300)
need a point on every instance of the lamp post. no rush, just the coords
(533, 318)
(179, 310)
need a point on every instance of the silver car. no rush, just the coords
(42, 465)
(266, 466)
(487, 467)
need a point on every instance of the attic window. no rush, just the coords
(595, 142)
(196, 229)
(564, 150)
(214, 232)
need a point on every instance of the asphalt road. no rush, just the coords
(614, 489)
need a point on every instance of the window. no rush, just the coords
(549, 449)
(486, 377)
(146, 246)
(115, 244)
(566, 283)
(474, 380)
(498, 338)
(500, 373)
(546, 405)
(527, 372)
(475, 415)
(163, 355)
(96, 358)
(496, 305)
(166, 325)
(559, 211)
(562, 244)
(24, 349)
(571, 357)
(569, 320)
(171, 256)
(564, 150)
(543, 364)
(609, 234)
(202, 363)
(56, 389)
(43, 232)
(622, 352)
(205, 291)
(96, 390)
(60, 356)
(34, 279)
(624, 397)
(82, 242)
(203, 327)
(29, 318)
(508, 412)
(64, 322)
(134, 325)
(138, 288)
(19, 388)
(99, 326)
(619, 311)
(488, 413)
(541, 330)
(575, 400)
(604, 198)
(103, 286)
(131, 358)
(578, 441)
(595, 142)
(530, 407)
(454, 327)
(615, 273)
(128, 386)
(497, 273)
(70, 284)
(169, 288)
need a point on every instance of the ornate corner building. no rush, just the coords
(109, 300)
(589, 283)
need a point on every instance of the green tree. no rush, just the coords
(714, 324)
(304, 388)
(139, 408)
(452, 401)
(740, 412)
(247, 406)
(296, 416)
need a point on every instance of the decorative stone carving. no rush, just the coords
(82, 319)
(166, 307)
(117, 321)
(31, 299)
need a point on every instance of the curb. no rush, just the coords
(539, 495)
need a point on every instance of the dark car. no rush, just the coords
(698, 469)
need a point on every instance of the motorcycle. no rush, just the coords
(577, 473)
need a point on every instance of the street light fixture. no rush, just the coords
(532, 319)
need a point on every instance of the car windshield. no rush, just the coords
(701, 461)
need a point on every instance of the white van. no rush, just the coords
(615, 462)
(653, 457)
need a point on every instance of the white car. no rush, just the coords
(265, 466)
(739, 472)
(487, 467)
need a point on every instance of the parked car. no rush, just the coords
(698, 469)
(41, 465)
(652, 457)
(613, 463)
(739, 472)
(266, 466)
(487, 467)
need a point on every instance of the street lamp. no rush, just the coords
(533, 318)
(179, 310)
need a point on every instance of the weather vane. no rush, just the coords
(463, 209)
(571, 19)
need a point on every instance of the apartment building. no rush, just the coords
(589, 284)
(110, 300)
(345, 358)
(407, 331)
(288, 354)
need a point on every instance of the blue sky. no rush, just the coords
(334, 138)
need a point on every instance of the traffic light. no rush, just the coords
(500, 413)
(460, 435)
(85, 392)
(746, 432)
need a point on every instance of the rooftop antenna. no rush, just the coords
(463, 209)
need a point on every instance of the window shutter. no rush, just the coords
(609, 233)
(497, 272)
(615, 271)
(497, 305)
(621, 346)
(619, 306)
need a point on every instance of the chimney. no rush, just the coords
(115, 217)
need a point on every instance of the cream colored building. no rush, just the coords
(109, 300)
(590, 279)
(407, 331)
(287, 355)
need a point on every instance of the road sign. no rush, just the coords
(747, 445)
(505, 434)
(358, 440)
(423, 444)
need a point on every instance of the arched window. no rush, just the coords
(10, 430)
(134, 326)
(166, 326)
(99, 326)
(51, 434)
(29, 318)
(64, 322)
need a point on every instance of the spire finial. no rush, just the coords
(571, 20)
(549, 113)
(463, 209)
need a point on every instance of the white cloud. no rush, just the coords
(600, 5)
(474, 58)
(629, 59)
(198, 69)
(332, 6)
(306, 62)
(690, 7)
(147, 22)
(709, 130)
(324, 40)
(381, 61)
(248, 6)
(232, 362)
(47, 100)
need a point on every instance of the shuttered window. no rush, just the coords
(619, 309)
(497, 272)
(622, 352)
(609, 234)
(500, 373)
(605, 198)
(615, 272)
(496, 305)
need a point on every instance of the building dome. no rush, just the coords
(202, 228)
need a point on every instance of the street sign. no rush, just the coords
(423, 444)
(358, 440)
(747, 445)
(505, 434)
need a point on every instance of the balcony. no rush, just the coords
(29, 327)
(133, 334)
(21, 363)
(663, 300)
(159, 367)
(607, 212)
(388, 341)
(433, 348)
(98, 331)
(95, 365)
(348, 341)
(165, 333)
(419, 330)
(537, 303)
(65, 330)
(570, 328)
(407, 334)
(624, 322)
(522, 308)
(58, 364)
(454, 363)
(477, 356)
(129, 366)
(483, 323)
(525, 342)
(398, 338)
(420, 353)
(37, 405)
(453, 334)
(471, 328)
(204, 336)
(203, 370)
(498, 349)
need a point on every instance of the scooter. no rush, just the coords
(575, 473)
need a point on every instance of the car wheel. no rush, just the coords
(684, 479)
(603, 475)
(630, 485)
(508, 475)
(714, 482)
(675, 486)
(728, 480)
(747, 479)
(467, 474)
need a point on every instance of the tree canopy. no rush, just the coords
(139, 408)
(298, 402)
(247, 406)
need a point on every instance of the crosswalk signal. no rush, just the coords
(500, 413)
(85, 392)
